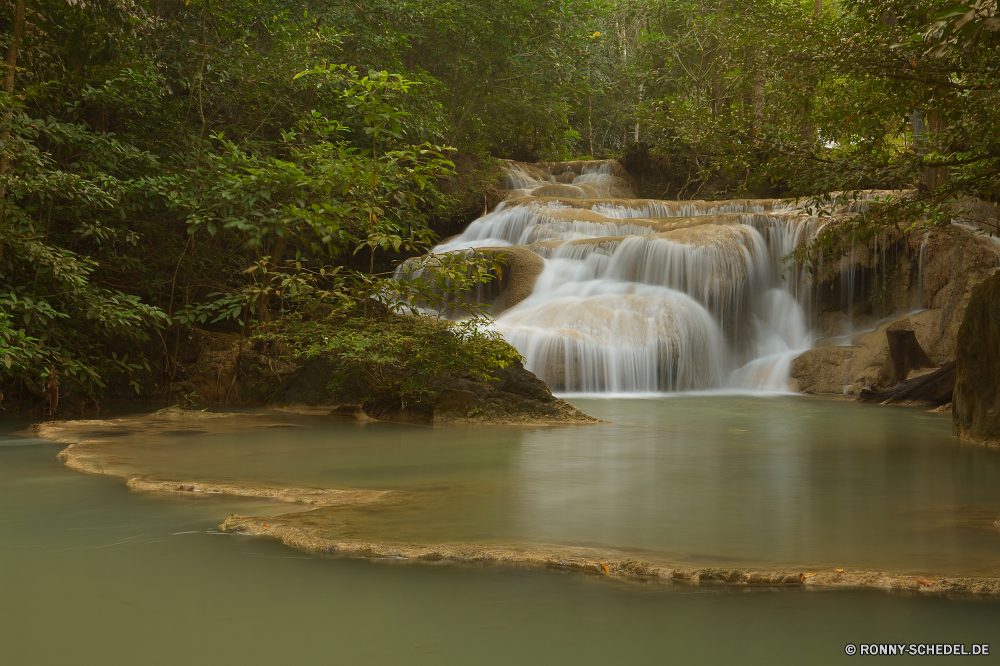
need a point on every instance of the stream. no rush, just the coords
(95, 573)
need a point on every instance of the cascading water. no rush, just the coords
(648, 296)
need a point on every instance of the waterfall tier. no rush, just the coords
(639, 295)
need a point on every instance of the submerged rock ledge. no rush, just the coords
(605, 562)
(91, 453)
(88, 462)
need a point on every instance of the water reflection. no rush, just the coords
(786, 481)
(92, 573)
(703, 480)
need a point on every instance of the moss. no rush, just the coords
(398, 360)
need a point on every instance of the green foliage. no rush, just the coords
(445, 284)
(807, 99)
(148, 185)
(510, 78)
(62, 319)
(398, 358)
(201, 163)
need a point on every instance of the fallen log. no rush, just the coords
(932, 390)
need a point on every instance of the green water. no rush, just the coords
(92, 573)
(790, 481)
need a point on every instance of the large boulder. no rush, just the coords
(977, 385)
(866, 362)
(522, 266)
(514, 395)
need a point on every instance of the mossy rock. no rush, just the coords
(514, 395)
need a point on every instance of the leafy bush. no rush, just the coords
(396, 358)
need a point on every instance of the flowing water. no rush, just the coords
(92, 573)
(641, 296)
(647, 296)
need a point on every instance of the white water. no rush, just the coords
(643, 296)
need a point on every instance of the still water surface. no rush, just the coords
(738, 480)
(92, 573)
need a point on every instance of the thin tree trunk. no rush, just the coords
(239, 354)
(8, 87)
(932, 177)
(170, 317)
(807, 131)
(201, 77)
(373, 222)
(757, 99)
(590, 112)
(53, 392)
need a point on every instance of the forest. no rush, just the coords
(260, 167)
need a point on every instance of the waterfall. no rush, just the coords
(920, 272)
(644, 296)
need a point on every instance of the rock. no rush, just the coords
(894, 274)
(522, 267)
(825, 370)
(866, 363)
(514, 396)
(210, 366)
(309, 386)
(846, 369)
(976, 406)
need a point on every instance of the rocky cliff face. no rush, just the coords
(922, 281)
(977, 384)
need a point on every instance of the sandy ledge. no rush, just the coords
(606, 562)
(95, 447)
(90, 463)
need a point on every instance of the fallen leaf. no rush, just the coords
(839, 570)
(604, 567)
(924, 582)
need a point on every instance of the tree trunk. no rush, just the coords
(934, 389)
(53, 392)
(8, 87)
(807, 131)
(757, 99)
(905, 355)
(933, 177)
(924, 125)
